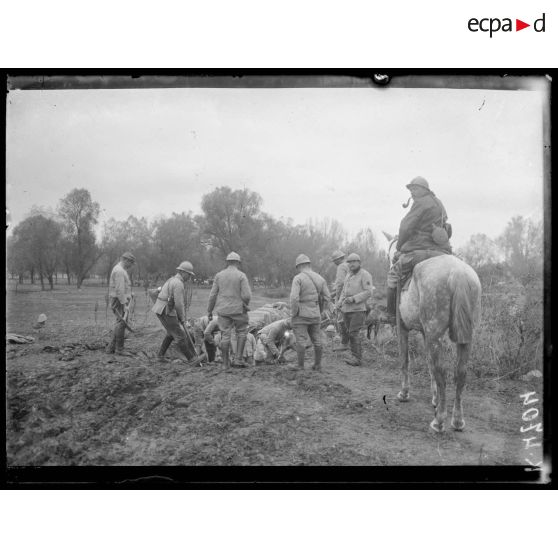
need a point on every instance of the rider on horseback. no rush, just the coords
(423, 233)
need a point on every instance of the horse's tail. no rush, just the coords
(464, 305)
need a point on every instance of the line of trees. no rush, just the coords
(45, 245)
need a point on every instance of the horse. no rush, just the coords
(444, 295)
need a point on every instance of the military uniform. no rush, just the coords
(120, 294)
(249, 347)
(415, 241)
(306, 290)
(356, 293)
(342, 271)
(169, 308)
(209, 341)
(229, 297)
(272, 336)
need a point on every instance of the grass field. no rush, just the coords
(71, 404)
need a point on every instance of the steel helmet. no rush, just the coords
(302, 259)
(128, 256)
(419, 181)
(336, 255)
(187, 267)
(353, 257)
(42, 318)
(233, 257)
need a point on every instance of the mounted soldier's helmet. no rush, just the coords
(336, 255)
(419, 181)
(233, 257)
(302, 259)
(129, 256)
(187, 267)
(353, 257)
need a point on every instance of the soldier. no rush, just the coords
(276, 338)
(357, 290)
(423, 233)
(230, 296)
(338, 258)
(309, 296)
(120, 293)
(169, 308)
(209, 341)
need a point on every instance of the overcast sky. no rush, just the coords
(310, 153)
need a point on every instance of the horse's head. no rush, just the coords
(391, 248)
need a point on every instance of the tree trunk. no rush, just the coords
(21, 278)
(68, 275)
(51, 282)
(41, 277)
(79, 281)
(32, 272)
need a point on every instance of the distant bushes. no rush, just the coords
(279, 292)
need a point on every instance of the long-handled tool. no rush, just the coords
(121, 318)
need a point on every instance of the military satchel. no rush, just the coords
(321, 299)
(439, 232)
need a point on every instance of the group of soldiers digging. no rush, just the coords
(423, 233)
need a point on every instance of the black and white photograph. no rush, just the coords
(277, 271)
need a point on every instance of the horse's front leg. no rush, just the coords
(403, 395)
(434, 348)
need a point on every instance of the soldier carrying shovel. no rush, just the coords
(169, 308)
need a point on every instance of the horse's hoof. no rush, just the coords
(404, 398)
(436, 426)
(458, 426)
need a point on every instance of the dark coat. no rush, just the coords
(415, 231)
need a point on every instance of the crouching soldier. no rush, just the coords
(210, 339)
(120, 294)
(169, 308)
(230, 296)
(357, 291)
(275, 339)
(309, 297)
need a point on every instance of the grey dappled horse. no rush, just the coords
(444, 295)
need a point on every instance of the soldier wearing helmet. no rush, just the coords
(355, 296)
(230, 296)
(309, 296)
(169, 308)
(423, 233)
(338, 258)
(120, 295)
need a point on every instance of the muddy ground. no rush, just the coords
(68, 403)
